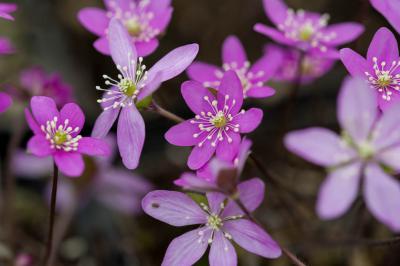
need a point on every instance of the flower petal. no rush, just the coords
(233, 52)
(251, 193)
(382, 196)
(230, 90)
(182, 134)
(30, 166)
(386, 131)
(94, 19)
(44, 109)
(272, 33)
(318, 145)
(260, 92)
(265, 67)
(203, 72)
(354, 63)
(74, 114)
(214, 201)
(105, 122)
(161, 19)
(222, 252)
(38, 145)
(383, 46)
(93, 146)
(344, 32)
(69, 163)
(338, 191)
(227, 150)
(32, 123)
(187, 249)
(130, 136)
(200, 155)
(390, 10)
(276, 10)
(193, 182)
(174, 208)
(101, 45)
(390, 157)
(145, 48)
(194, 93)
(249, 120)
(5, 102)
(252, 238)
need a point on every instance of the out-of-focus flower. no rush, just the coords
(6, 46)
(313, 65)
(23, 259)
(5, 101)
(133, 89)
(218, 122)
(381, 68)
(253, 77)
(369, 146)
(144, 20)
(390, 9)
(57, 135)
(6, 9)
(307, 31)
(221, 222)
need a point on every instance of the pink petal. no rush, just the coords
(161, 19)
(272, 33)
(276, 10)
(182, 134)
(387, 128)
(354, 63)
(74, 114)
(145, 48)
(32, 123)
(222, 252)
(385, 105)
(200, 155)
(226, 151)
(344, 32)
(214, 201)
(93, 146)
(174, 208)
(230, 87)
(243, 154)
(5, 102)
(233, 52)
(249, 120)
(94, 19)
(193, 182)
(382, 196)
(44, 109)
(268, 65)
(203, 72)
(30, 166)
(252, 238)
(193, 93)
(187, 249)
(338, 191)
(102, 45)
(383, 46)
(260, 92)
(390, 10)
(251, 193)
(38, 145)
(130, 136)
(105, 122)
(69, 163)
(158, 6)
(390, 157)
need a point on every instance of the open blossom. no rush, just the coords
(390, 10)
(57, 135)
(253, 77)
(307, 31)
(144, 20)
(313, 65)
(381, 68)
(6, 9)
(218, 122)
(132, 88)
(369, 146)
(5, 102)
(220, 222)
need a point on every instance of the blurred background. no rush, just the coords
(105, 228)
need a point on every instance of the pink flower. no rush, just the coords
(57, 135)
(390, 10)
(220, 222)
(381, 68)
(5, 102)
(368, 147)
(133, 89)
(6, 9)
(253, 77)
(218, 122)
(145, 20)
(6, 46)
(307, 31)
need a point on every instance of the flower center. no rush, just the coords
(306, 32)
(214, 222)
(127, 86)
(133, 27)
(365, 150)
(219, 119)
(61, 136)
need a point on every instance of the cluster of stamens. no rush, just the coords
(125, 90)
(136, 19)
(60, 135)
(298, 27)
(384, 80)
(214, 125)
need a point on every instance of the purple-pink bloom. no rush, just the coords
(234, 57)
(390, 9)
(307, 31)
(6, 46)
(57, 135)
(220, 222)
(5, 102)
(144, 20)
(218, 122)
(380, 69)
(368, 147)
(6, 9)
(134, 86)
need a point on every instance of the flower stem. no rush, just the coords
(49, 244)
(167, 114)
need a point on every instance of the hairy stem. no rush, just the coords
(167, 114)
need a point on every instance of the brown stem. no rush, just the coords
(49, 243)
(167, 114)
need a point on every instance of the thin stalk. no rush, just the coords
(167, 114)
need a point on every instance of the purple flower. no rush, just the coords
(144, 20)
(6, 9)
(5, 102)
(368, 147)
(220, 223)
(6, 46)
(390, 9)
(57, 135)
(381, 68)
(234, 57)
(218, 122)
(313, 65)
(307, 31)
(133, 89)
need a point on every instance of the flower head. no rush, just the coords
(218, 121)
(307, 31)
(221, 221)
(381, 68)
(57, 135)
(132, 89)
(6, 9)
(144, 20)
(5, 102)
(252, 77)
(369, 145)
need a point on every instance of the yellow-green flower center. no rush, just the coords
(365, 150)
(219, 120)
(133, 27)
(384, 80)
(306, 32)
(127, 86)
(60, 137)
(214, 222)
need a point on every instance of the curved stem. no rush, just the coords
(167, 114)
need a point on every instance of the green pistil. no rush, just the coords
(365, 150)
(384, 80)
(60, 138)
(128, 87)
(133, 27)
(306, 32)
(219, 120)
(214, 222)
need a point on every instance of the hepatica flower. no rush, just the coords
(307, 31)
(381, 68)
(252, 77)
(369, 146)
(57, 135)
(390, 9)
(144, 20)
(132, 89)
(218, 121)
(220, 222)
(5, 102)
(6, 9)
